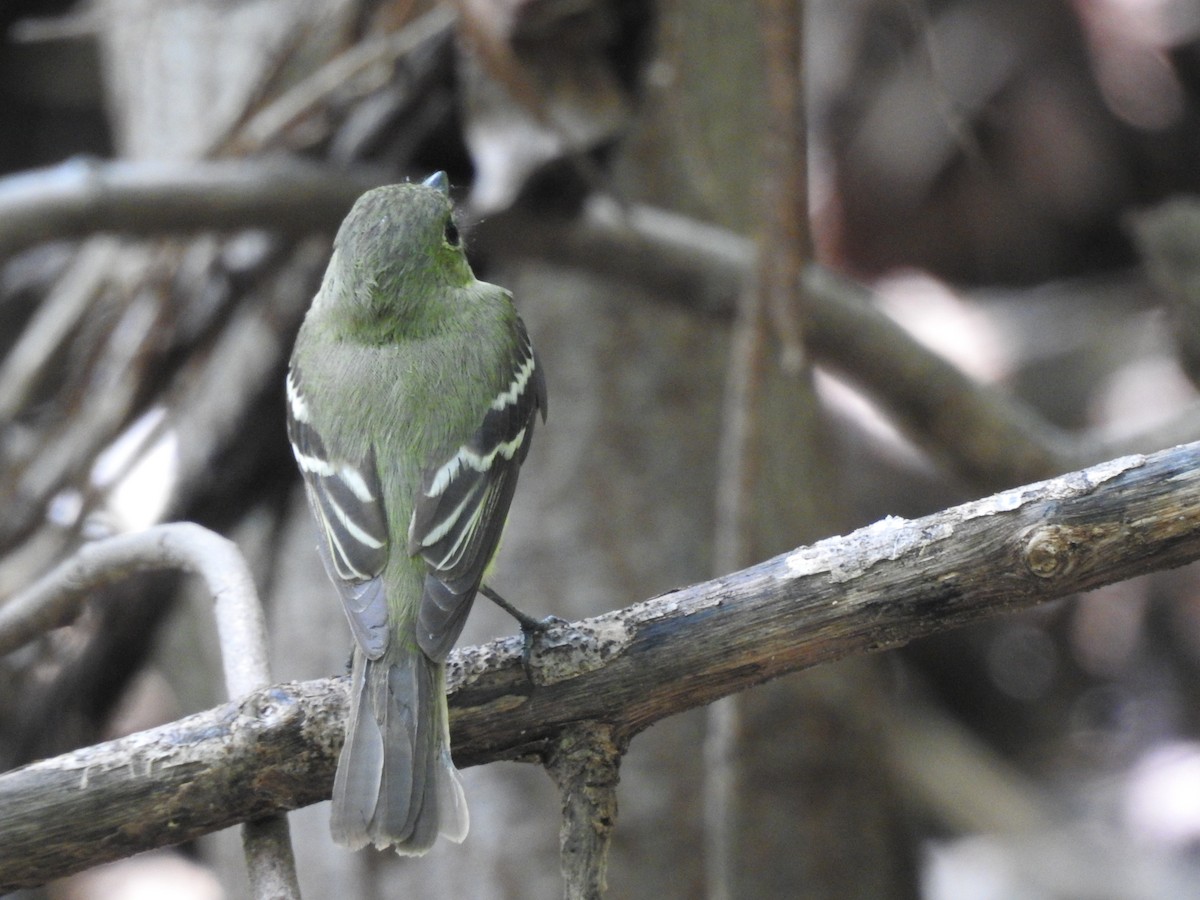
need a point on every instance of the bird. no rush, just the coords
(412, 393)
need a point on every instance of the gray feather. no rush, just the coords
(345, 497)
(396, 784)
(360, 767)
(365, 605)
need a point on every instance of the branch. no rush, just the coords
(989, 438)
(59, 596)
(84, 196)
(315, 92)
(585, 766)
(871, 590)
(785, 245)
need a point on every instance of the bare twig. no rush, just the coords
(270, 862)
(739, 468)
(60, 313)
(110, 388)
(785, 246)
(876, 588)
(954, 778)
(738, 454)
(315, 91)
(212, 396)
(988, 437)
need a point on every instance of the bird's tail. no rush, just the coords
(396, 784)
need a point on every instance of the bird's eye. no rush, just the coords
(451, 233)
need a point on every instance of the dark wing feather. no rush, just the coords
(345, 497)
(460, 510)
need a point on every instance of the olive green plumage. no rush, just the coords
(412, 394)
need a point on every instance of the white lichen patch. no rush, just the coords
(848, 557)
(1065, 487)
(892, 538)
(1106, 471)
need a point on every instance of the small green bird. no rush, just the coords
(412, 394)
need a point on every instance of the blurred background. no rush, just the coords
(994, 170)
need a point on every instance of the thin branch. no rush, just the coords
(110, 382)
(58, 597)
(270, 861)
(767, 348)
(213, 395)
(56, 317)
(739, 455)
(315, 92)
(988, 437)
(970, 788)
(871, 590)
(785, 247)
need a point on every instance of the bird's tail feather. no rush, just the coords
(396, 784)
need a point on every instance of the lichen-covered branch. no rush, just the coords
(876, 588)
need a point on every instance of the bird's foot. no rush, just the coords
(531, 628)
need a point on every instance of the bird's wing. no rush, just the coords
(346, 499)
(463, 501)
